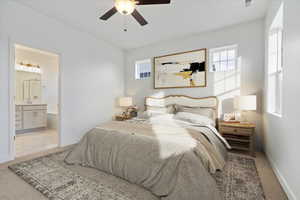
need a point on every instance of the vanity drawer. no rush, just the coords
(35, 119)
(40, 107)
(238, 131)
(18, 115)
(18, 125)
(18, 108)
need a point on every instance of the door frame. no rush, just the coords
(12, 130)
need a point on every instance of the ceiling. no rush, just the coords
(179, 19)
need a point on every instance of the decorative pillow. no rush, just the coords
(194, 118)
(168, 109)
(153, 111)
(208, 112)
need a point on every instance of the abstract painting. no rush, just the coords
(180, 70)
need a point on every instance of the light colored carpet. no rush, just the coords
(14, 188)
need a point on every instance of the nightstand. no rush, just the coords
(121, 118)
(239, 135)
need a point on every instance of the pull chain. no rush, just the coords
(125, 24)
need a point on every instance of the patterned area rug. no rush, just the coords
(239, 180)
(50, 176)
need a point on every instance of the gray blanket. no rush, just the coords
(173, 166)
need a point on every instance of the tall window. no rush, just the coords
(275, 64)
(224, 64)
(275, 72)
(142, 69)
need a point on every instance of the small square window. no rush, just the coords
(142, 69)
(223, 59)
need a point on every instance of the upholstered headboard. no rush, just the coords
(205, 102)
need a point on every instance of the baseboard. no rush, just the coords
(4, 159)
(281, 179)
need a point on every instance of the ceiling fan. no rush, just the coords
(128, 7)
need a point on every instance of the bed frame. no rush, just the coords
(183, 100)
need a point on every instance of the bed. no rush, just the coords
(172, 150)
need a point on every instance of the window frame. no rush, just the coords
(227, 48)
(276, 107)
(136, 72)
(225, 76)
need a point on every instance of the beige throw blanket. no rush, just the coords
(171, 159)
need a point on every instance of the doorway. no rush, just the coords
(35, 113)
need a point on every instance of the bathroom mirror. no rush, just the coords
(28, 87)
(32, 90)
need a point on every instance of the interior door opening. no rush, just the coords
(36, 100)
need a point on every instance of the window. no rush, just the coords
(275, 72)
(142, 69)
(224, 63)
(275, 64)
(223, 59)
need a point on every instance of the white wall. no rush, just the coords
(282, 133)
(91, 70)
(248, 36)
(49, 64)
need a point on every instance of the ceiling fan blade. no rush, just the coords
(109, 13)
(141, 20)
(151, 2)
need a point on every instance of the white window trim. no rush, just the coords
(227, 74)
(135, 68)
(223, 48)
(277, 111)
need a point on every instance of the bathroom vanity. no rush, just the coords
(30, 116)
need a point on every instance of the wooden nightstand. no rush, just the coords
(121, 118)
(239, 136)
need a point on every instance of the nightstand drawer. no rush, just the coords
(234, 130)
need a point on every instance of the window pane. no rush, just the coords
(273, 53)
(223, 59)
(216, 57)
(231, 65)
(272, 94)
(216, 66)
(279, 39)
(279, 94)
(142, 69)
(227, 76)
(223, 66)
(275, 72)
(272, 63)
(223, 55)
(231, 55)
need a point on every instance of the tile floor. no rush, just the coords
(33, 142)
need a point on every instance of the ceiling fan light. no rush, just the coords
(125, 7)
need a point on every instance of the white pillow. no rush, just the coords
(168, 109)
(194, 118)
(155, 112)
(208, 112)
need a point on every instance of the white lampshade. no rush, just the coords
(125, 101)
(245, 102)
(125, 7)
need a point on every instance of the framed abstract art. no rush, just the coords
(181, 70)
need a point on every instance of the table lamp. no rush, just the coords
(126, 102)
(243, 104)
